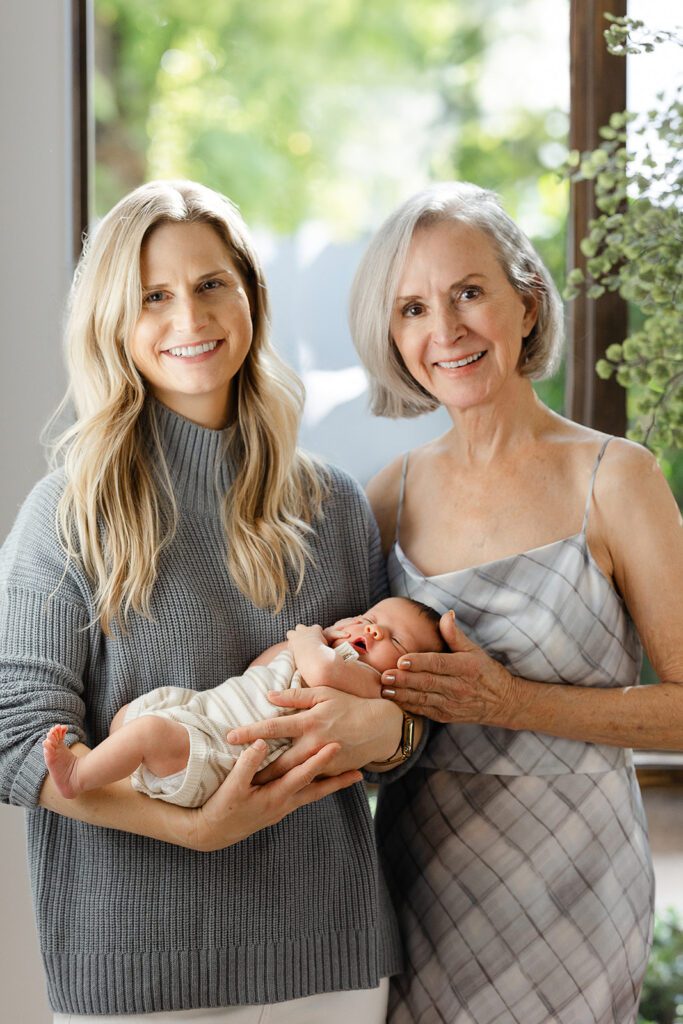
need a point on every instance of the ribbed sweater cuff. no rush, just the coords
(53, 626)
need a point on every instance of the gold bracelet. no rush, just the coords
(405, 745)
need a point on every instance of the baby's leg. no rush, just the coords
(162, 744)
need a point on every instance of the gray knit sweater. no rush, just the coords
(132, 925)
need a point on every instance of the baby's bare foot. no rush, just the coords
(61, 762)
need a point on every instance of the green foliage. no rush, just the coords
(310, 111)
(662, 998)
(275, 104)
(635, 247)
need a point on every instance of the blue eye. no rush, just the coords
(153, 298)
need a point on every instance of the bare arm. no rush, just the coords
(236, 810)
(638, 537)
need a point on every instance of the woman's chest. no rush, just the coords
(459, 525)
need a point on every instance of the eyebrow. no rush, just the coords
(225, 271)
(456, 284)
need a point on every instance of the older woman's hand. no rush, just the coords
(465, 686)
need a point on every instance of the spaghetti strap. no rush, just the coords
(399, 509)
(592, 484)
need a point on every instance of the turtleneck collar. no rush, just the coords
(198, 460)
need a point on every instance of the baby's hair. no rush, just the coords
(435, 619)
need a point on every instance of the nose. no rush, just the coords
(373, 630)
(447, 325)
(188, 314)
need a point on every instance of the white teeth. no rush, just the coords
(454, 364)
(192, 350)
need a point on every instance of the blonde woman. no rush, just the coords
(182, 534)
(516, 849)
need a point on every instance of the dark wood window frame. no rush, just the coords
(82, 125)
(598, 88)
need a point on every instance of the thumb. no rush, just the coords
(453, 635)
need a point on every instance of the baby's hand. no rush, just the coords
(338, 631)
(306, 633)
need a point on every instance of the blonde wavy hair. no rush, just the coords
(113, 517)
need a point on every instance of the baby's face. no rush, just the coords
(386, 631)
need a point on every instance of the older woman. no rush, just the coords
(185, 532)
(517, 848)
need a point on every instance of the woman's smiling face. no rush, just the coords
(195, 327)
(457, 321)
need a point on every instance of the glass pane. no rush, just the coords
(317, 119)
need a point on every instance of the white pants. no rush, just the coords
(367, 1006)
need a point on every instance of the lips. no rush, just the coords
(191, 351)
(457, 364)
(359, 645)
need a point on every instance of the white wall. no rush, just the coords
(34, 220)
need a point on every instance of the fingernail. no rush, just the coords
(390, 677)
(388, 692)
(403, 663)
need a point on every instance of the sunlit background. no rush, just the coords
(317, 119)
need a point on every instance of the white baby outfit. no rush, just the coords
(208, 716)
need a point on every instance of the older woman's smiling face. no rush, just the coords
(457, 321)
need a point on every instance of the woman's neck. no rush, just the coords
(485, 432)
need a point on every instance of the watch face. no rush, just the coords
(408, 736)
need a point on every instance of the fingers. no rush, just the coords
(248, 763)
(339, 630)
(303, 631)
(301, 698)
(284, 727)
(422, 671)
(303, 784)
(453, 635)
(418, 699)
(295, 755)
(325, 787)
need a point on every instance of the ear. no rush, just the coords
(530, 303)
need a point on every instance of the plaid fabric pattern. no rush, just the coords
(519, 862)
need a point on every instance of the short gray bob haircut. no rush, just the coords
(393, 392)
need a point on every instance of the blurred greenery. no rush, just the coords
(662, 998)
(309, 111)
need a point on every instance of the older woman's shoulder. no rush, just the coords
(629, 472)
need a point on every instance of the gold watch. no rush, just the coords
(405, 746)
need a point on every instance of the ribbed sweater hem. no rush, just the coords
(166, 980)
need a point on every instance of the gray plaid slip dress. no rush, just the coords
(519, 862)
